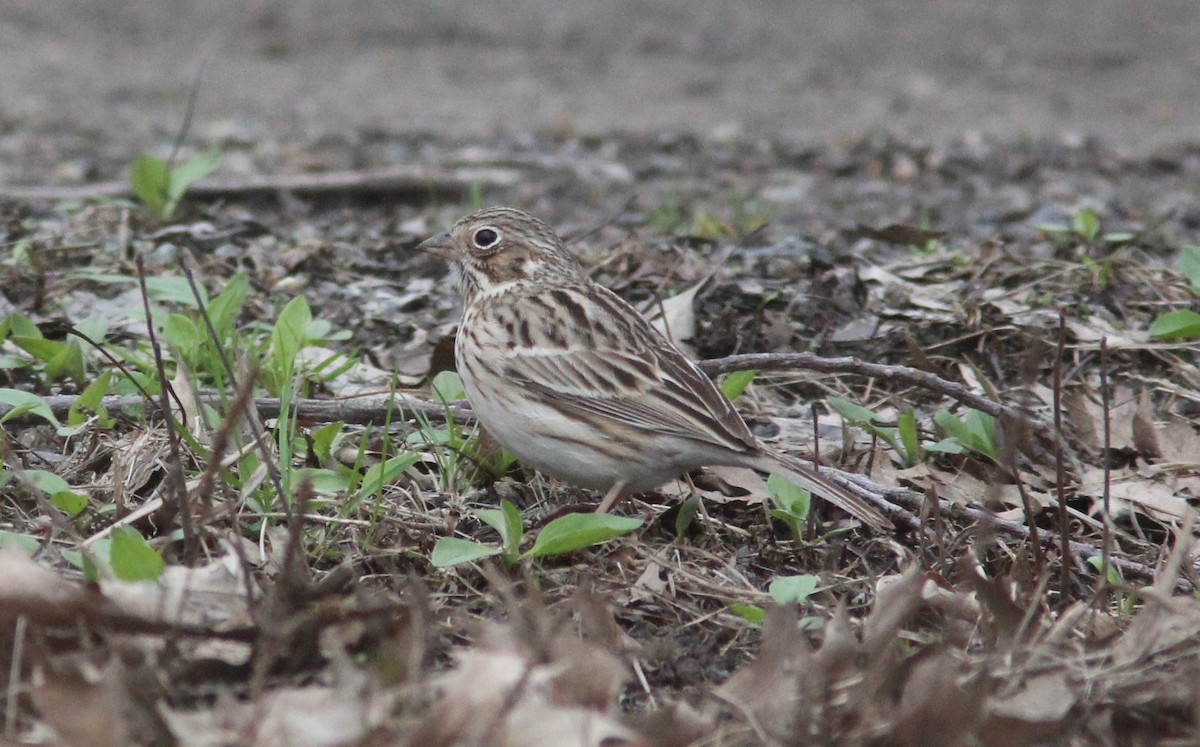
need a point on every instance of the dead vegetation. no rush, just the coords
(1041, 593)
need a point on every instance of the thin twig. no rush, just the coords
(903, 374)
(254, 423)
(176, 481)
(1106, 404)
(1060, 469)
(370, 410)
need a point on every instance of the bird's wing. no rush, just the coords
(638, 379)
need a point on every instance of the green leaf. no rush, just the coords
(288, 336)
(324, 438)
(21, 543)
(150, 179)
(855, 413)
(183, 333)
(493, 517)
(788, 496)
(61, 495)
(736, 383)
(1113, 574)
(982, 428)
(173, 289)
(23, 402)
(946, 446)
(750, 613)
(131, 558)
(1183, 324)
(506, 520)
(954, 427)
(454, 551)
(574, 531)
(791, 589)
(95, 327)
(1086, 224)
(190, 171)
(72, 504)
(1189, 264)
(447, 387)
(687, 512)
(324, 481)
(224, 309)
(386, 472)
(39, 347)
(513, 530)
(906, 425)
(18, 325)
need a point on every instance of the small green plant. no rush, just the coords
(55, 487)
(1183, 324)
(791, 504)
(160, 186)
(974, 431)
(563, 535)
(1084, 232)
(456, 455)
(903, 438)
(1115, 582)
(784, 591)
(56, 359)
(745, 218)
(1085, 227)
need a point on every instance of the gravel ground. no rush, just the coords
(117, 74)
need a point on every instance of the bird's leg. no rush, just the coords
(612, 497)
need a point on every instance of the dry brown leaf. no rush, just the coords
(649, 584)
(212, 595)
(675, 317)
(941, 703)
(770, 688)
(1145, 433)
(192, 416)
(1087, 413)
(1129, 491)
(317, 716)
(1041, 699)
(497, 695)
(87, 704)
(1097, 328)
(1181, 444)
(30, 589)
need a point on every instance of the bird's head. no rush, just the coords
(501, 245)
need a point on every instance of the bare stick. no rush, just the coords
(359, 410)
(904, 374)
(1106, 402)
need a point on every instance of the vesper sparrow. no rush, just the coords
(576, 382)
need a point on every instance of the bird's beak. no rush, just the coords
(441, 245)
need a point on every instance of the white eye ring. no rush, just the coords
(485, 238)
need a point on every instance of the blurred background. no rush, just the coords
(1128, 72)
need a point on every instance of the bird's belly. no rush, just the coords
(570, 449)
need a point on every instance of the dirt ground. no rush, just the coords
(119, 73)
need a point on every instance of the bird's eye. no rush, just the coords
(486, 238)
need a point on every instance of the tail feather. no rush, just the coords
(806, 476)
